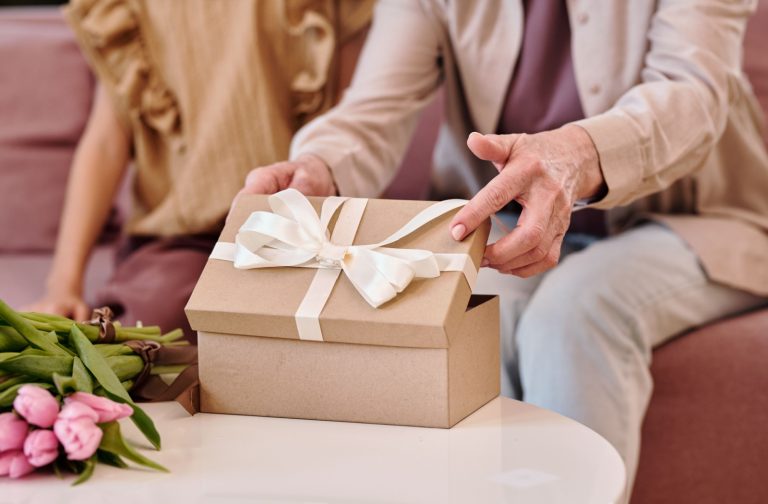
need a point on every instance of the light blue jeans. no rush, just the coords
(578, 339)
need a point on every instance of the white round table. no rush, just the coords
(506, 452)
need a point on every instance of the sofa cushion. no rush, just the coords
(23, 276)
(47, 91)
(704, 437)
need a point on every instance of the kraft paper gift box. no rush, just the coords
(428, 357)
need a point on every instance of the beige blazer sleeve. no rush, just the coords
(365, 136)
(664, 127)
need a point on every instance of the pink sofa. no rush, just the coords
(705, 438)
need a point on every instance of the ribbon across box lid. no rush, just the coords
(268, 301)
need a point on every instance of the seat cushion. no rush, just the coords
(705, 436)
(23, 275)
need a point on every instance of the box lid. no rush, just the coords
(263, 302)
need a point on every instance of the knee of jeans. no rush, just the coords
(576, 306)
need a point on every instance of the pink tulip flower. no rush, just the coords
(41, 447)
(14, 464)
(77, 431)
(13, 431)
(36, 405)
(107, 409)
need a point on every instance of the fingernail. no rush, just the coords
(458, 231)
(485, 262)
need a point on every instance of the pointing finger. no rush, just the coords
(490, 199)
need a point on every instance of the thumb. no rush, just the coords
(269, 179)
(493, 148)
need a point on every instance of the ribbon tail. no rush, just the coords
(421, 262)
(308, 314)
(424, 217)
(224, 251)
(374, 287)
(458, 262)
(307, 317)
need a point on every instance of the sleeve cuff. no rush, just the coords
(336, 160)
(620, 149)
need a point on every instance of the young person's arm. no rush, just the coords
(97, 170)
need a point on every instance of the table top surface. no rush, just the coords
(507, 451)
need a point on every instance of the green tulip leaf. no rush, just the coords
(34, 351)
(113, 442)
(57, 468)
(141, 419)
(80, 381)
(81, 376)
(112, 349)
(11, 340)
(108, 458)
(51, 337)
(28, 332)
(106, 377)
(39, 366)
(64, 384)
(7, 355)
(88, 467)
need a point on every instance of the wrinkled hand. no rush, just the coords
(66, 303)
(546, 173)
(308, 174)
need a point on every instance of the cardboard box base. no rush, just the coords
(427, 387)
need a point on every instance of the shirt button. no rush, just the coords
(582, 18)
(594, 88)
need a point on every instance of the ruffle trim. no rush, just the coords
(110, 32)
(309, 86)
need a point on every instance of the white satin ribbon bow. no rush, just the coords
(293, 235)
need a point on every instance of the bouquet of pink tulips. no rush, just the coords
(64, 385)
(40, 432)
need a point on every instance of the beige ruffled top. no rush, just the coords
(210, 90)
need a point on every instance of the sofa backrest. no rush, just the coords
(44, 104)
(46, 84)
(47, 92)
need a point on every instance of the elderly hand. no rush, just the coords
(307, 174)
(546, 173)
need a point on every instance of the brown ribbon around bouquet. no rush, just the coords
(102, 317)
(148, 387)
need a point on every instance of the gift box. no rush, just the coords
(345, 309)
